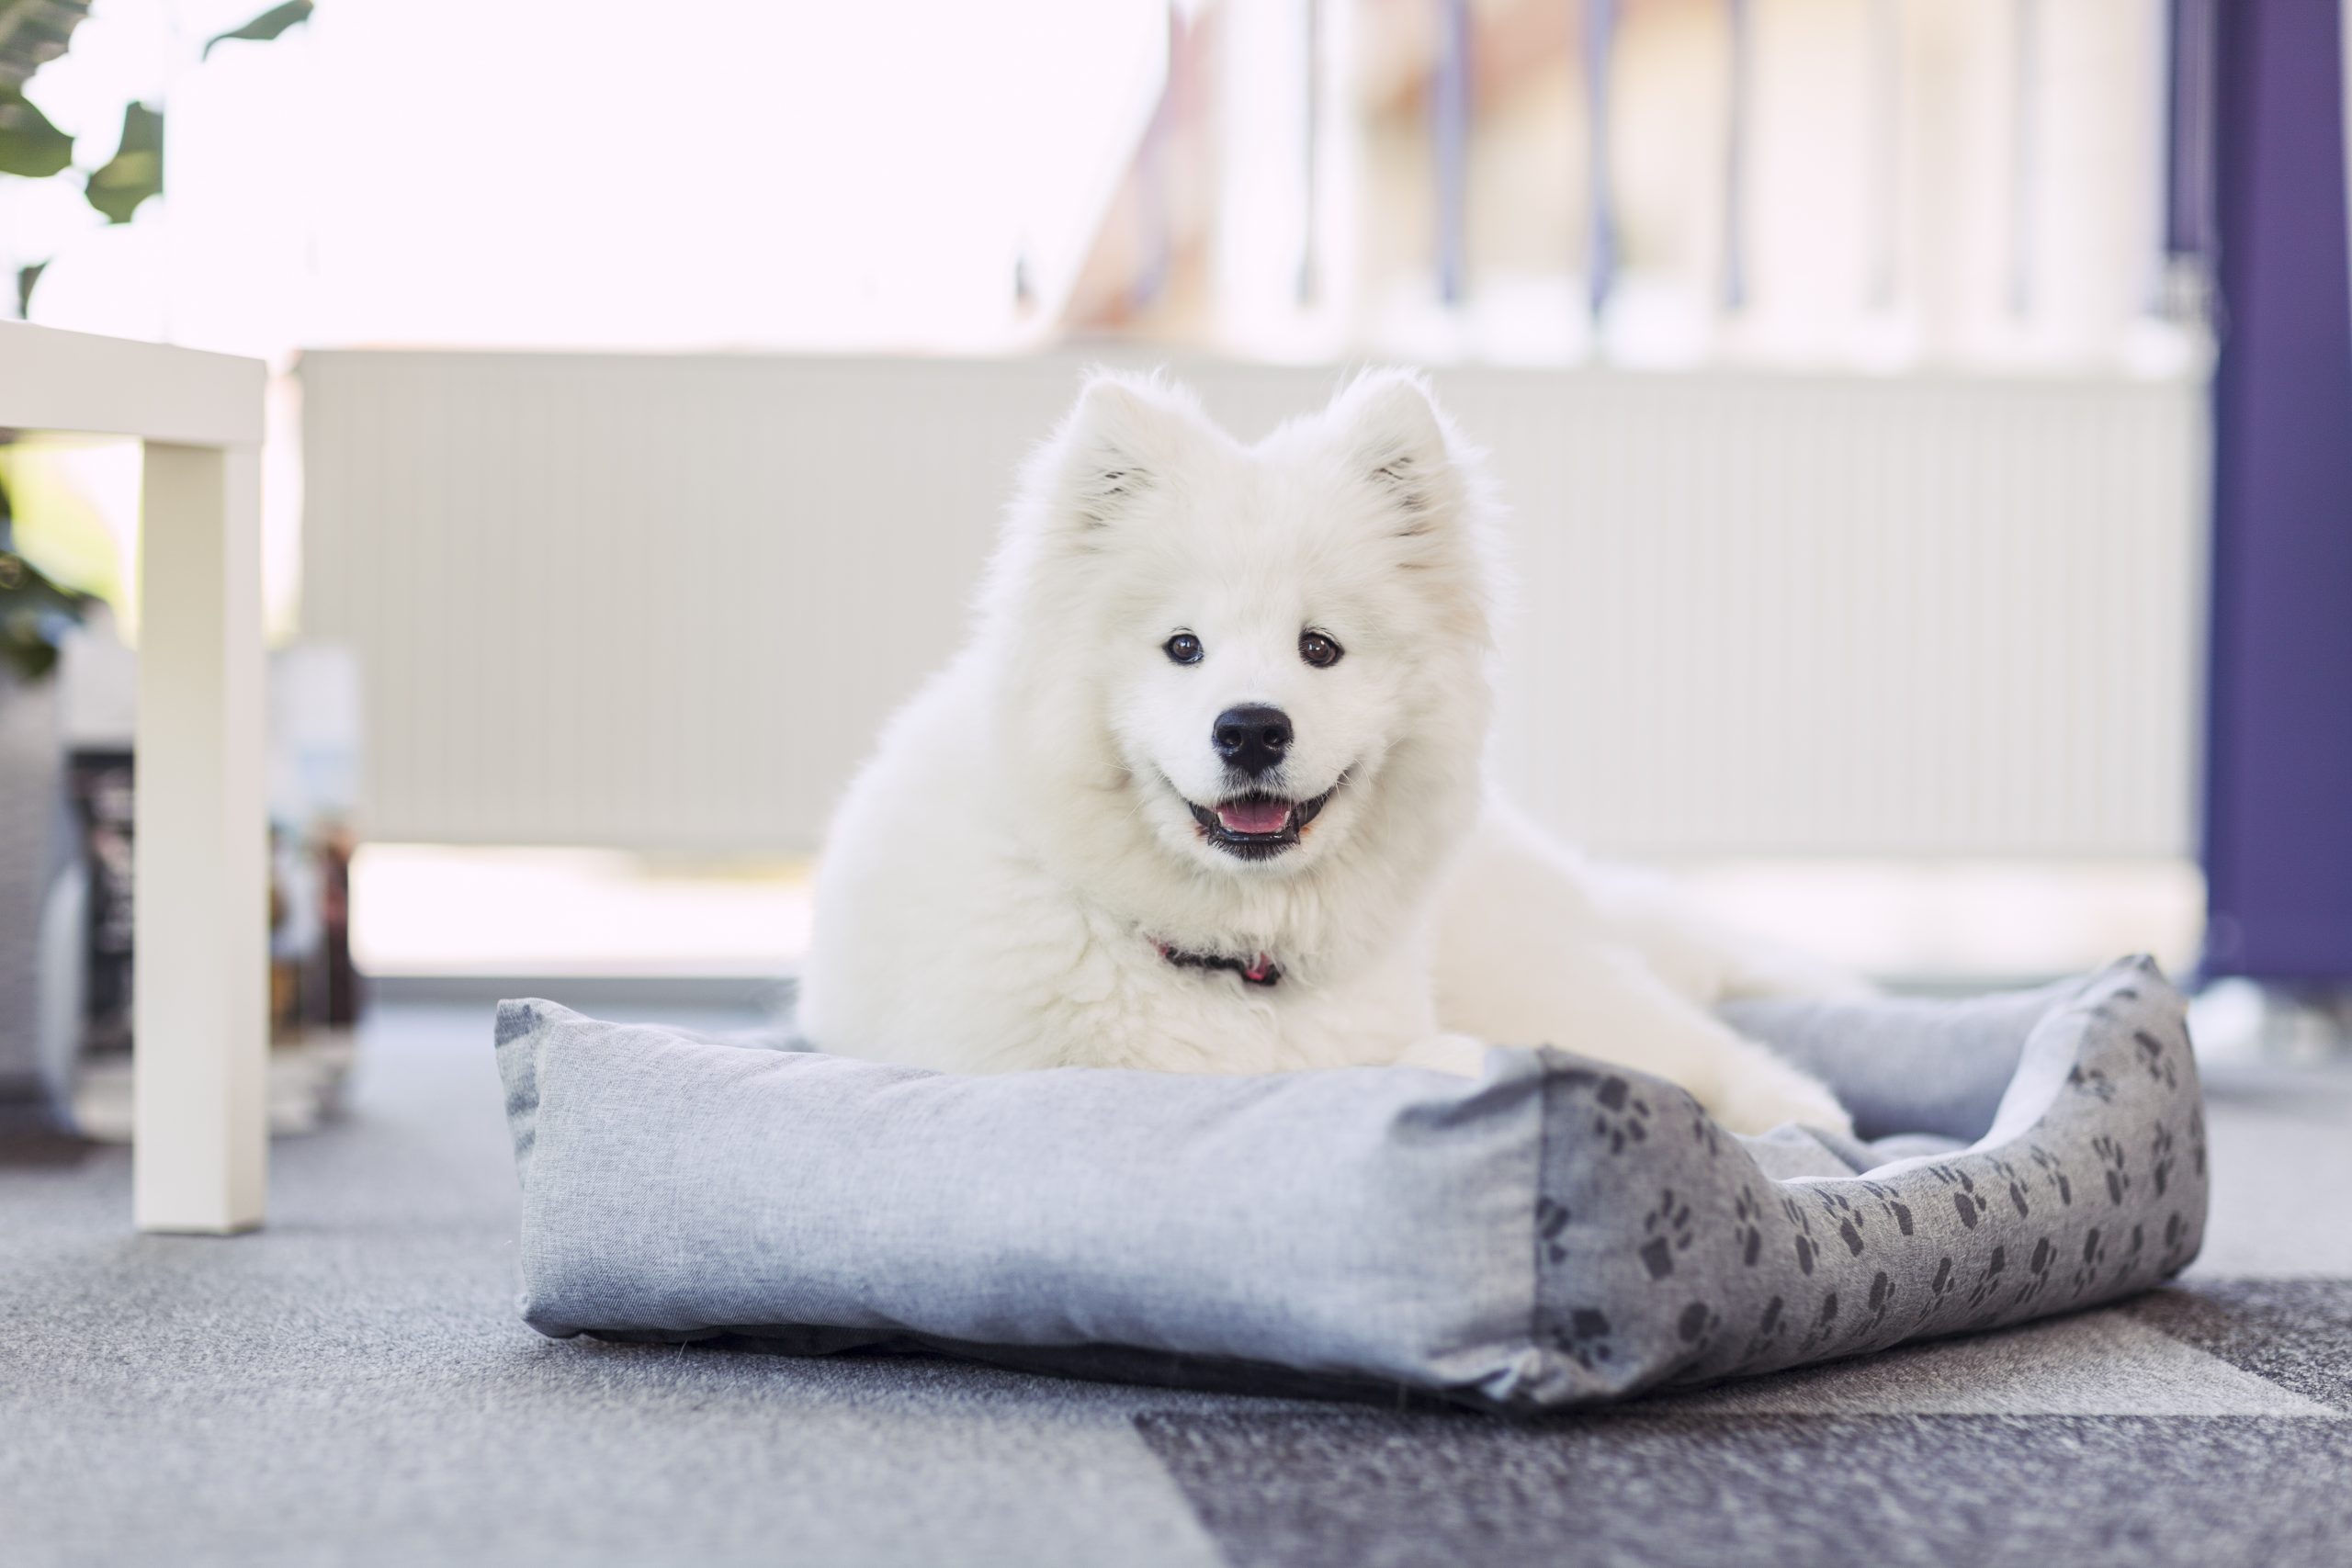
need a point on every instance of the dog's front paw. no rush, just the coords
(1760, 1096)
(1448, 1054)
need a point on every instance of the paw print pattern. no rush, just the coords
(2086, 1271)
(1964, 1201)
(1668, 1228)
(1619, 1116)
(1586, 1338)
(2156, 1059)
(2176, 1241)
(1824, 1323)
(1845, 1216)
(1889, 1205)
(2160, 1164)
(1881, 1298)
(1551, 1223)
(1990, 1279)
(2010, 1178)
(1746, 1232)
(1702, 1132)
(1805, 1250)
(2112, 1164)
(2090, 1081)
(1767, 1333)
(1697, 1327)
(2024, 1250)
(2037, 1270)
(2054, 1174)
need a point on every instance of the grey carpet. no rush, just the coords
(351, 1386)
(2087, 1492)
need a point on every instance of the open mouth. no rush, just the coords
(1257, 825)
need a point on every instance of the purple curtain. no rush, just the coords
(2278, 846)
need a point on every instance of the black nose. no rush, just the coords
(1252, 738)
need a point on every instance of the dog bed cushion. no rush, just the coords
(1558, 1231)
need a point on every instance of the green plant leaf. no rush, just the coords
(136, 170)
(33, 33)
(29, 145)
(35, 612)
(266, 26)
(25, 277)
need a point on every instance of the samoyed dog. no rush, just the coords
(1208, 791)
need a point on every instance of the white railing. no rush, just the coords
(201, 1142)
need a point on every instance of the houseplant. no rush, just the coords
(33, 33)
(38, 888)
(40, 871)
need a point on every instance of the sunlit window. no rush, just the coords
(1653, 182)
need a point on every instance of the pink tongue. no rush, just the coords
(1254, 815)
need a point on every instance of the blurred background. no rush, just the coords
(1928, 425)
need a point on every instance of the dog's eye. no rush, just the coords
(1318, 650)
(1184, 647)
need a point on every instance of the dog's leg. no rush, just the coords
(1703, 957)
(1511, 864)
(1463, 1053)
(1606, 1003)
(1529, 953)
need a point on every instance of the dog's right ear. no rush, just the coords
(1123, 441)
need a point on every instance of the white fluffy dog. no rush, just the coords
(1208, 791)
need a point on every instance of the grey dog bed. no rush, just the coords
(1557, 1232)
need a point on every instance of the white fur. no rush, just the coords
(999, 881)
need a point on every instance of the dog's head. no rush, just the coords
(1255, 654)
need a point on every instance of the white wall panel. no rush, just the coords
(664, 601)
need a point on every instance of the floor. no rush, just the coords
(351, 1386)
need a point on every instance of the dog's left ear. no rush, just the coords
(1394, 436)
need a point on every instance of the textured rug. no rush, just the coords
(351, 1386)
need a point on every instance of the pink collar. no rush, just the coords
(1259, 971)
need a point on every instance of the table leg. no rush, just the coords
(199, 877)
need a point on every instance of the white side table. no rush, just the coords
(201, 888)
